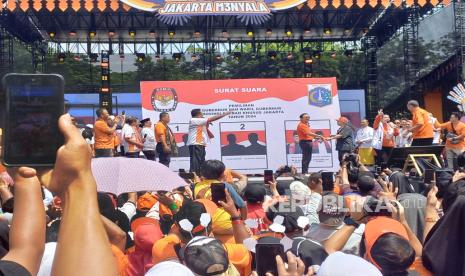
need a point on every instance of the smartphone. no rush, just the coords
(328, 181)
(145, 136)
(186, 176)
(378, 170)
(268, 176)
(265, 258)
(182, 170)
(218, 193)
(34, 103)
(429, 175)
(384, 166)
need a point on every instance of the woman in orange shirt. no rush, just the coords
(383, 123)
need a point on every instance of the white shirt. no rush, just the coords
(128, 132)
(437, 134)
(366, 135)
(311, 208)
(198, 132)
(149, 143)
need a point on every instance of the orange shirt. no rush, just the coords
(459, 130)
(303, 132)
(421, 116)
(103, 135)
(388, 140)
(160, 130)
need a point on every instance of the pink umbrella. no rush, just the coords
(120, 175)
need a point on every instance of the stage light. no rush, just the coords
(132, 33)
(140, 57)
(272, 55)
(72, 33)
(218, 57)
(92, 34)
(51, 34)
(327, 31)
(307, 31)
(308, 58)
(225, 33)
(348, 53)
(111, 33)
(177, 56)
(121, 57)
(77, 58)
(290, 55)
(333, 54)
(93, 57)
(288, 31)
(197, 33)
(317, 54)
(237, 55)
(152, 33)
(249, 32)
(61, 57)
(171, 32)
(269, 32)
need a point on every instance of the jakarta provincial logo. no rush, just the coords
(164, 99)
(320, 95)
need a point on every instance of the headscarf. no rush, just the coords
(144, 238)
(169, 268)
(414, 206)
(444, 248)
(400, 181)
(376, 228)
(341, 264)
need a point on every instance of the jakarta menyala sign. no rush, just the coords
(212, 7)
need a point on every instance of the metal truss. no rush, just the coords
(371, 66)
(459, 13)
(411, 64)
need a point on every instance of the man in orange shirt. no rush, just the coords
(165, 139)
(104, 135)
(422, 129)
(383, 123)
(455, 143)
(306, 140)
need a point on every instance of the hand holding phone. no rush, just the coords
(268, 176)
(218, 194)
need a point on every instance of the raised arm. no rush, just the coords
(239, 230)
(116, 236)
(27, 233)
(83, 247)
(217, 117)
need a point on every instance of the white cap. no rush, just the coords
(169, 268)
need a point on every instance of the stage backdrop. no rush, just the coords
(260, 134)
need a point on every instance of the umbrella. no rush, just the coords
(120, 175)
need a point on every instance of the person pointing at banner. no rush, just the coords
(306, 140)
(198, 137)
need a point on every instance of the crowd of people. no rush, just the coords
(54, 222)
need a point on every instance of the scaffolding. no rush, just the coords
(371, 67)
(411, 65)
(459, 13)
(6, 53)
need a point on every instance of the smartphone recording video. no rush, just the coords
(268, 176)
(34, 103)
(429, 176)
(328, 181)
(218, 193)
(265, 258)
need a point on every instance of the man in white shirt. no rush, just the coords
(131, 140)
(363, 140)
(198, 137)
(148, 136)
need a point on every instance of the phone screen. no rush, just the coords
(328, 181)
(34, 104)
(429, 176)
(265, 258)
(268, 176)
(218, 192)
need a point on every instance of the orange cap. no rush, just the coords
(163, 249)
(376, 228)
(146, 201)
(143, 220)
(343, 120)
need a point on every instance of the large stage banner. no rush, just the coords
(261, 132)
